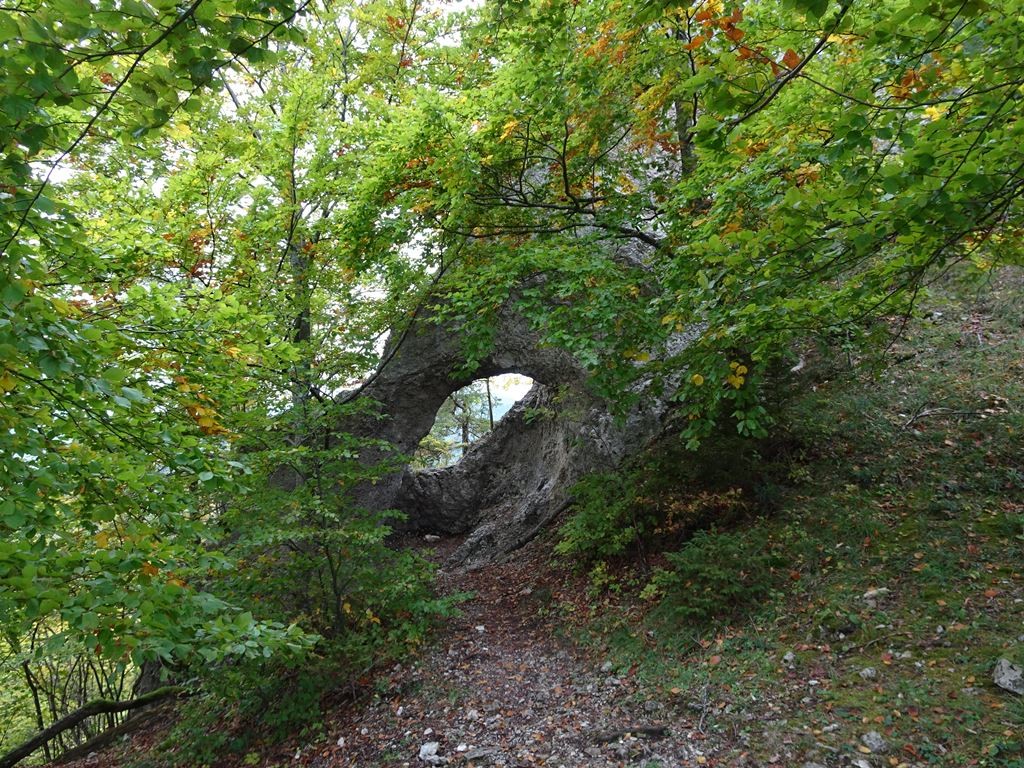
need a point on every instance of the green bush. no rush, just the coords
(641, 510)
(607, 520)
(716, 574)
(306, 556)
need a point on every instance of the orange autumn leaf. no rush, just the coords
(791, 58)
(149, 569)
(734, 33)
(697, 42)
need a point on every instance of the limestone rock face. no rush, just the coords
(515, 480)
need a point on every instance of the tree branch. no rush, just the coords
(97, 707)
(794, 71)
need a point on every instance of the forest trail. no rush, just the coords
(499, 686)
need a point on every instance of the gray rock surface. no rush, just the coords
(874, 741)
(513, 482)
(428, 753)
(1009, 676)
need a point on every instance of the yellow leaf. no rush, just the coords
(65, 308)
(179, 131)
(507, 131)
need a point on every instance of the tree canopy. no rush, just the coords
(215, 212)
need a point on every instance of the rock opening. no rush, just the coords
(466, 416)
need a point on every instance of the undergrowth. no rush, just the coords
(882, 529)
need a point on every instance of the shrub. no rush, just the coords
(715, 574)
(617, 512)
(607, 520)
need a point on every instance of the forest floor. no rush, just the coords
(893, 503)
(500, 685)
(503, 686)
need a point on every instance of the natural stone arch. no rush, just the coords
(516, 479)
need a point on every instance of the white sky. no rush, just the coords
(511, 386)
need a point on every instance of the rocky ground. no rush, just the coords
(501, 688)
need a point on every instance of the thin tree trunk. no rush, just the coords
(35, 700)
(490, 403)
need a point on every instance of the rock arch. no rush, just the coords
(516, 479)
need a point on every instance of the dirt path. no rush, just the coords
(499, 687)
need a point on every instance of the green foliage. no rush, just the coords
(751, 176)
(715, 574)
(153, 330)
(664, 495)
(907, 484)
(212, 213)
(606, 520)
(465, 417)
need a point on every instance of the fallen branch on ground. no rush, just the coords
(109, 736)
(97, 707)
